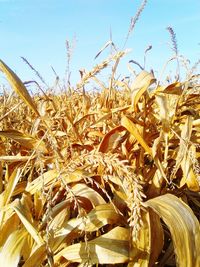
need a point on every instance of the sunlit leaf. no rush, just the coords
(25, 140)
(110, 248)
(143, 251)
(18, 86)
(18, 208)
(82, 190)
(183, 225)
(11, 251)
(98, 217)
(42, 180)
(13, 180)
(37, 257)
(10, 225)
(174, 88)
(140, 85)
(129, 125)
(188, 165)
(15, 158)
(110, 138)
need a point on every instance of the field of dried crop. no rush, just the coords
(101, 178)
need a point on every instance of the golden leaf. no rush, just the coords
(183, 225)
(18, 86)
(110, 248)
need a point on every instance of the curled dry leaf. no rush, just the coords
(183, 225)
(99, 216)
(140, 86)
(82, 190)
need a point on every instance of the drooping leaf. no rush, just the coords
(174, 89)
(18, 86)
(143, 251)
(5, 196)
(10, 225)
(183, 225)
(18, 208)
(82, 190)
(183, 147)
(25, 140)
(97, 218)
(129, 125)
(108, 142)
(37, 257)
(11, 252)
(140, 85)
(188, 165)
(110, 248)
(42, 180)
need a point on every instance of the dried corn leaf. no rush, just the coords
(183, 225)
(110, 248)
(143, 250)
(10, 225)
(25, 140)
(15, 158)
(82, 190)
(140, 85)
(75, 176)
(19, 209)
(129, 125)
(185, 138)
(60, 218)
(13, 180)
(11, 251)
(174, 89)
(109, 139)
(43, 180)
(189, 164)
(97, 218)
(37, 257)
(18, 86)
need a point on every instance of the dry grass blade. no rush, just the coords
(103, 48)
(183, 225)
(18, 86)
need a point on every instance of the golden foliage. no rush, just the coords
(86, 177)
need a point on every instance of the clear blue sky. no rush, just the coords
(38, 30)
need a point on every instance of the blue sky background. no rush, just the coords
(38, 30)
